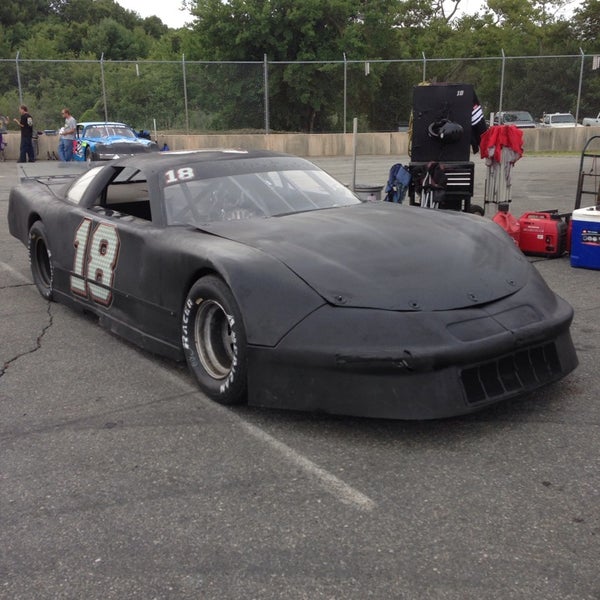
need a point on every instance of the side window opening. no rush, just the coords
(128, 194)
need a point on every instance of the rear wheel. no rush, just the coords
(477, 210)
(40, 257)
(214, 341)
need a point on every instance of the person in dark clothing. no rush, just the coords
(26, 125)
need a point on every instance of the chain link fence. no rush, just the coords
(318, 96)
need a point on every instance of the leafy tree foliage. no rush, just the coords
(324, 56)
(587, 22)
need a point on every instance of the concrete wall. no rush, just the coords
(329, 144)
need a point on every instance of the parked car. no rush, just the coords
(281, 287)
(559, 120)
(591, 121)
(519, 118)
(105, 141)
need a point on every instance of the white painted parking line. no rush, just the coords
(333, 485)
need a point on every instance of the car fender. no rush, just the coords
(272, 298)
(80, 148)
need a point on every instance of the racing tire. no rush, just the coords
(90, 155)
(214, 341)
(40, 258)
(477, 210)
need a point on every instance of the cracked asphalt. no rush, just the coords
(120, 480)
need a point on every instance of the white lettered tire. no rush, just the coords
(214, 340)
(40, 258)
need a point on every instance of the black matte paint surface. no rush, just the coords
(373, 309)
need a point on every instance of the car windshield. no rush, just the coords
(563, 119)
(517, 115)
(101, 131)
(250, 195)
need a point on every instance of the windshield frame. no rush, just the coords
(252, 191)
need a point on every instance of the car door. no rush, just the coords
(110, 271)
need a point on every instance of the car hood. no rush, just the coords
(388, 256)
(518, 122)
(115, 139)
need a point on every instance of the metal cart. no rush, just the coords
(588, 182)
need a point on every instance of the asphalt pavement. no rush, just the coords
(120, 480)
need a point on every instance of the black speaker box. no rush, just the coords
(433, 104)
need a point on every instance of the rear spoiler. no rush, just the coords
(48, 170)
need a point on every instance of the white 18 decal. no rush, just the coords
(96, 255)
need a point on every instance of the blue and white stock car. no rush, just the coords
(105, 141)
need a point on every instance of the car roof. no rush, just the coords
(99, 123)
(161, 161)
(515, 112)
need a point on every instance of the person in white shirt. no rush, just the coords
(67, 136)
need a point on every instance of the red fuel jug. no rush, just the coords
(509, 223)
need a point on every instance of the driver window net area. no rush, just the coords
(252, 195)
(128, 194)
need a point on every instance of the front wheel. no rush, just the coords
(214, 340)
(477, 210)
(40, 257)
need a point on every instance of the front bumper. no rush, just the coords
(119, 150)
(417, 365)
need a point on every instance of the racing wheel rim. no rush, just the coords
(214, 339)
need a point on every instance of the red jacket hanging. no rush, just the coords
(501, 136)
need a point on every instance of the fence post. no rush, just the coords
(354, 148)
(502, 81)
(103, 87)
(185, 96)
(580, 84)
(19, 78)
(424, 67)
(266, 84)
(345, 90)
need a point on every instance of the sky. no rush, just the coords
(170, 14)
(167, 11)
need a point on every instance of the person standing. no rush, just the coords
(26, 125)
(3, 129)
(67, 136)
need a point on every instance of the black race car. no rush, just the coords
(280, 287)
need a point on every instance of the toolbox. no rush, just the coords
(585, 238)
(543, 233)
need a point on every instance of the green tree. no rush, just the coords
(316, 51)
(586, 22)
(26, 12)
(114, 41)
(289, 31)
(586, 25)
